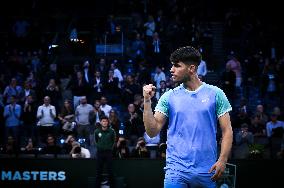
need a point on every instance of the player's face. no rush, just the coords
(181, 72)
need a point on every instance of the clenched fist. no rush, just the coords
(148, 91)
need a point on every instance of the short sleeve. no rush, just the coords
(222, 103)
(163, 104)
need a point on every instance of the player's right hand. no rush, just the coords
(148, 91)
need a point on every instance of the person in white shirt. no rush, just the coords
(79, 151)
(46, 114)
(159, 76)
(116, 73)
(104, 106)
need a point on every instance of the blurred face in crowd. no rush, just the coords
(131, 108)
(86, 64)
(52, 82)
(158, 70)
(228, 67)
(163, 84)
(67, 104)
(273, 118)
(83, 100)
(97, 104)
(13, 82)
(30, 99)
(50, 140)
(110, 73)
(129, 79)
(104, 123)
(27, 85)
(112, 66)
(46, 100)
(79, 75)
(112, 113)
(103, 101)
(98, 74)
(102, 61)
(259, 108)
(13, 100)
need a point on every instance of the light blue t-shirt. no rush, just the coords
(191, 136)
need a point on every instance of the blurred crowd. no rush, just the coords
(48, 108)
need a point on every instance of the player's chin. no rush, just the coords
(175, 79)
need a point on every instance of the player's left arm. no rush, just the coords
(223, 107)
(226, 145)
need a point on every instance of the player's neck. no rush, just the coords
(192, 84)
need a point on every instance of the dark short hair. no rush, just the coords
(187, 55)
(104, 117)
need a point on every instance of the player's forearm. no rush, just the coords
(226, 145)
(149, 119)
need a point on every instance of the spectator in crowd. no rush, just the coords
(235, 66)
(82, 118)
(202, 70)
(68, 144)
(96, 114)
(98, 85)
(112, 90)
(140, 150)
(159, 76)
(29, 148)
(163, 88)
(138, 48)
(66, 117)
(143, 74)
(52, 90)
(228, 80)
(116, 72)
(244, 138)
(134, 124)
(51, 147)
(104, 106)
(102, 67)
(105, 140)
(79, 151)
(274, 131)
(156, 50)
(28, 91)
(29, 117)
(12, 90)
(79, 88)
(274, 128)
(11, 146)
(130, 89)
(114, 121)
(122, 150)
(46, 115)
(12, 114)
(87, 72)
(150, 28)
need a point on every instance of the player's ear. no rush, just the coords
(192, 68)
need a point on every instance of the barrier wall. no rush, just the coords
(18, 172)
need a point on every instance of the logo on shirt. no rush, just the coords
(205, 100)
(100, 134)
